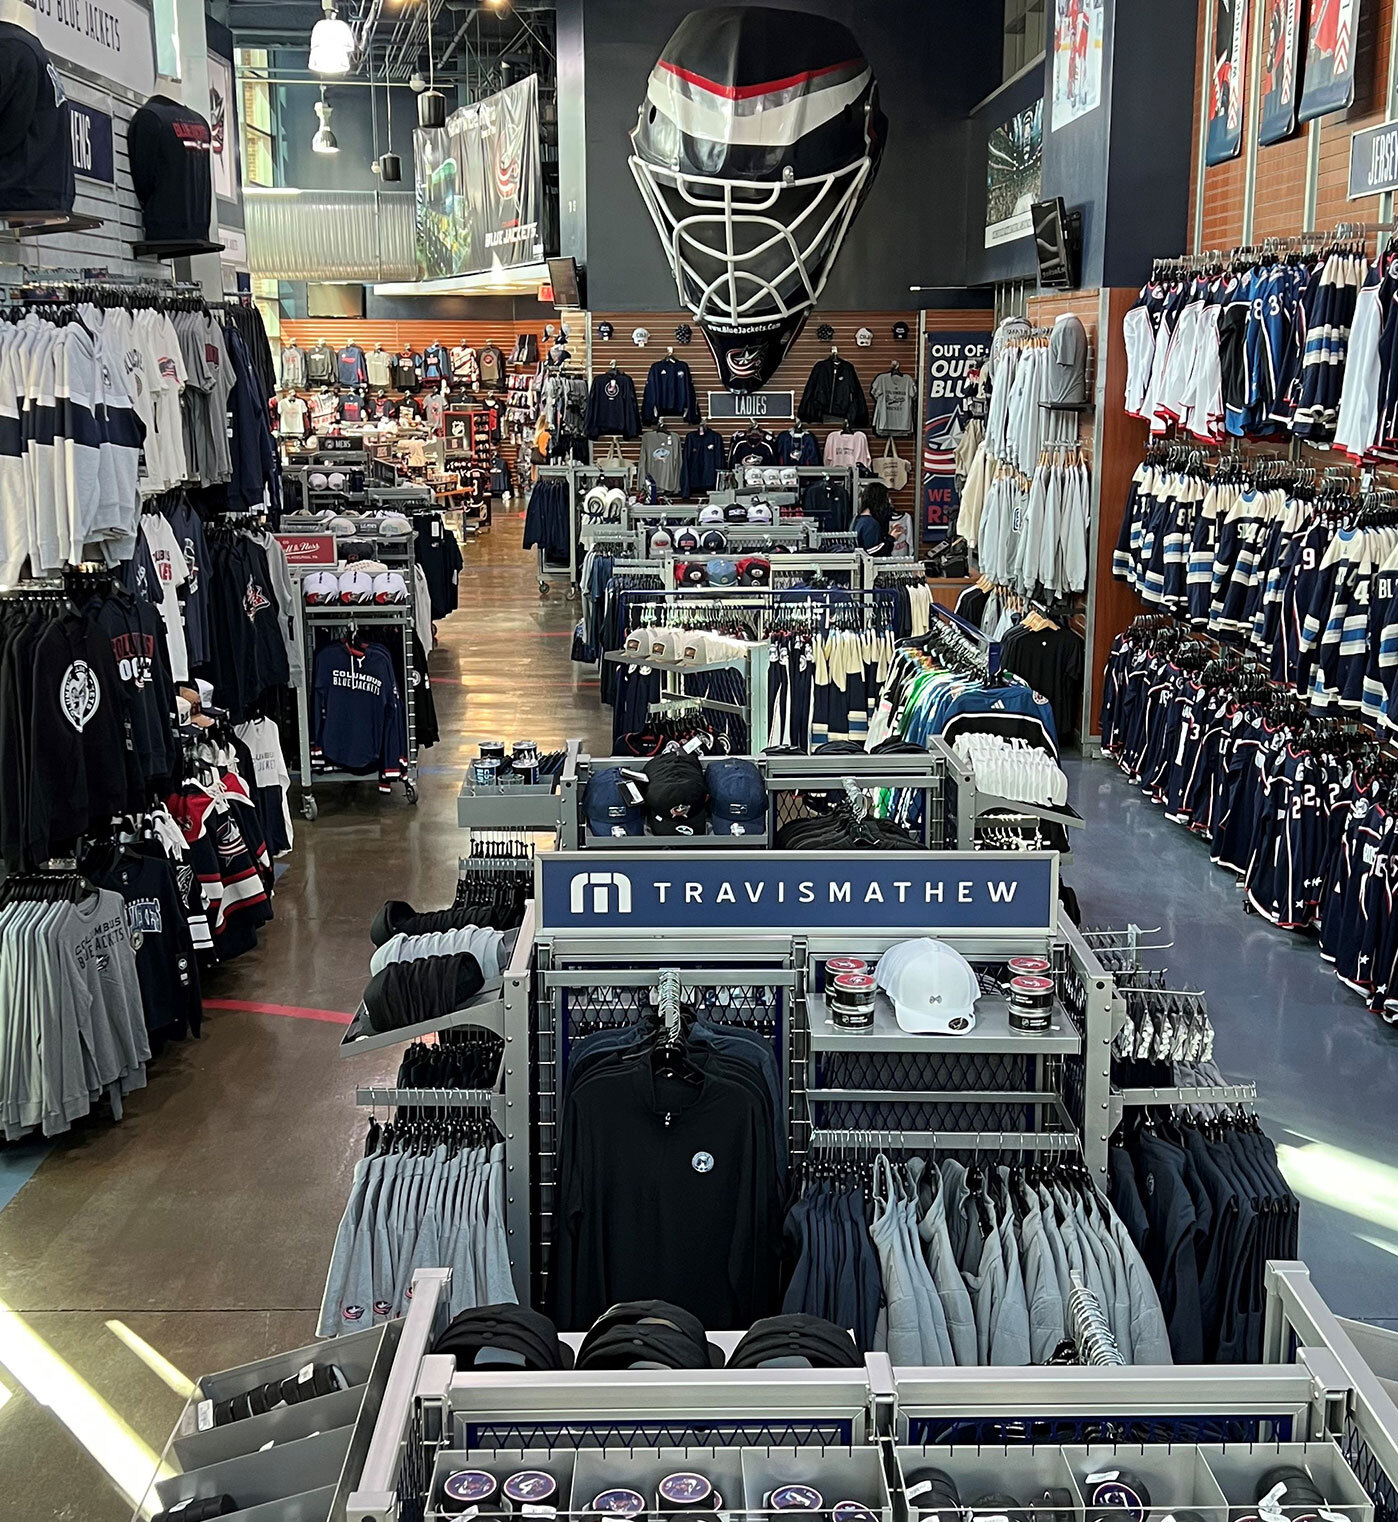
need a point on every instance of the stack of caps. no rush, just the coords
(932, 986)
(647, 1334)
(503, 1337)
(363, 582)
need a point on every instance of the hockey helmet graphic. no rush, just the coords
(757, 142)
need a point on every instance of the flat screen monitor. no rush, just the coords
(334, 301)
(567, 287)
(1054, 244)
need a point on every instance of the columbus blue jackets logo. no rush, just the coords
(382, 1308)
(702, 1162)
(80, 695)
(353, 1313)
(610, 389)
(745, 362)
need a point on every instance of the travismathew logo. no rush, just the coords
(80, 695)
(807, 891)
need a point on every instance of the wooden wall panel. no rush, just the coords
(792, 374)
(1044, 310)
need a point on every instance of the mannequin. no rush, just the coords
(36, 176)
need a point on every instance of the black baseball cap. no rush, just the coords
(503, 1337)
(632, 1329)
(795, 1341)
(677, 797)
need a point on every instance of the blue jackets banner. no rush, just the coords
(629, 893)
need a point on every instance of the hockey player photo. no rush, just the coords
(1014, 176)
(1077, 60)
(1227, 73)
(1331, 45)
(1281, 25)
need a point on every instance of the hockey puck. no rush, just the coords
(834, 966)
(528, 1489)
(465, 1489)
(618, 1502)
(794, 1498)
(852, 1511)
(850, 1000)
(1054, 1505)
(1289, 1491)
(684, 1491)
(1029, 967)
(1114, 1491)
(1031, 1003)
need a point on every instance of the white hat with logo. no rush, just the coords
(321, 587)
(389, 586)
(356, 586)
(864, 338)
(932, 986)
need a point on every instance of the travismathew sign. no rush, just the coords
(778, 891)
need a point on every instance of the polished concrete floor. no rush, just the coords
(195, 1235)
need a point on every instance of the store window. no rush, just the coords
(266, 293)
(259, 147)
(167, 40)
(1024, 34)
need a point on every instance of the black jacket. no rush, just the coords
(36, 135)
(833, 391)
(611, 406)
(669, 392)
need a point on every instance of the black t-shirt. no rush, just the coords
(36, 135)
(171, 170)
(1051, 661)
(156, 918)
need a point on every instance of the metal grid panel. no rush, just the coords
(567, 1014)
(718, 1434)
(997, 1432)
(913, 1071)
(1377, 1484)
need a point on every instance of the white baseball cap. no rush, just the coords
(394, 526)
(638, 641)
(356, 586)
(790, 478)
(336, 480)
(932, 986)
(772, 477)
(667, 644)
(321, 587)
(640, 336)
(389, 586)
(319, 480)
(753, 475)
(864, 338)
(660, 542)
(595, 503)
(345, 527)
(759, 512)
(616, 500)
(711, 513)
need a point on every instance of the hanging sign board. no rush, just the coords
(112, 40)
(790, 892)
(308, 549)
(762, 406)
(92, 143)
(1373, 161)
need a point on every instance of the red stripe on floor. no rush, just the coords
(291, 1011)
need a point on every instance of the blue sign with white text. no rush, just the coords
(795, 891)
(92, 143)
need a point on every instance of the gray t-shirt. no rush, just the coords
(1066, 381)
(660, 459)
(894, 397)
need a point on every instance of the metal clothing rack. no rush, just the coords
(754, 663)
(369, 616)
(575, 474)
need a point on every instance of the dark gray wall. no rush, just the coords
(572, 130)
(1006, 261)
(524, 311)
(933, 59)
(352, 124)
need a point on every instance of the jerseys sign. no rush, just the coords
(1373, 161)
(623, 893)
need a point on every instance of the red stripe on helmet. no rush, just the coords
(748, 92)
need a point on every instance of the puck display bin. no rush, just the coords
(1238, 1470)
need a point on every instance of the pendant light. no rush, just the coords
(431, 104)
(325, 140)
(332, 43)
(388, 166)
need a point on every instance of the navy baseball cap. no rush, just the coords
(610, 810)
(737, 798)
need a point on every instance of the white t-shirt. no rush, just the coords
(168, 375)
(173, 571)
(291, 416)
(846, 449)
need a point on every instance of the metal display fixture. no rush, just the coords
(367, 616)
(297, 1463)
(577, 476)
(1200, 1437)
(754, 663)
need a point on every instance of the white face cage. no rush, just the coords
(734, 262)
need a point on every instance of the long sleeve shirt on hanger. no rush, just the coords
(611, 406)
(702, 459)
(669, 392)
(833, 391)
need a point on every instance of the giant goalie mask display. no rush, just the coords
(757, 141)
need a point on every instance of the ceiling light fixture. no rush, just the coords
(431, 104)
(332, 43)
(325, 140)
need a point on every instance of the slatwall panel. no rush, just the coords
(109, 246)
(790, 377)
(1044, 310)
(337, 332)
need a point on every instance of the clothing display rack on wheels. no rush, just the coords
(554, 514)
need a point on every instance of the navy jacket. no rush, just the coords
(700, 462)
(611, 406)
(833, 391)
(253, 453)
(669, 392)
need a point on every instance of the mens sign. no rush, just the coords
(790, 892)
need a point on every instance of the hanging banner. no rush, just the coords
(1077, 60)
(1330, 52)
(790, 892)
(951, 364)
(1281, 31)
(1014, 176)
(478, 186)
(1226, 77)
(223, 128)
